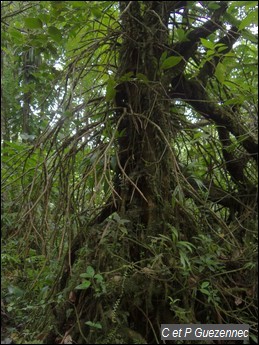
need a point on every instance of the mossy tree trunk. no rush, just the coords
(143, 112)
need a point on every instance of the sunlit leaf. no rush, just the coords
(78, 3)
(252, 18)
(85, 285)
(207, 44)
(171, 62)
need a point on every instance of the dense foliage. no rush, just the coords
(129, 168)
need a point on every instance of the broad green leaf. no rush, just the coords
(44, 17)
(252, 18)
(207, 44)
(85, 285)
(206, 292)
(90, 270)
(181, 34)
(17, 36)
(163, 57)
(171, 62)
(220, 72)
(33, 23)
(209, 53)
(99, 278)
(205, 284)
(85, 275)
(249, 36)
(55, 34)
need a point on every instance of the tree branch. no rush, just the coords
(194, 93)
(209, 67)
(234, 166)
(218, 195)
(186, 49)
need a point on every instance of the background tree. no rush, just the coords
(137, 199)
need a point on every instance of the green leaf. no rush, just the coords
(94, 324)
(163, 57)
(17, 36)
(199, 182)
(33, 23)
(78, 3)
(234, 101)
(220, 47)
(205, 292)
(85, 285)
(110, 90)
(85, 275)
(55, 34)
(220, 72)
(126, 77)
(44, 17)
(178, 195)
(97, 13)
(249, 36)
(181, 34)
(142, 77)
(185, 244)
(205, 284)
(207, 44)
(213, 5)
(252, 18)
(171, 62)
(99, 278)
(254, 338)
(184, 260)
(90, 271)
(247, 4)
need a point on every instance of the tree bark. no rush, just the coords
(144, 160)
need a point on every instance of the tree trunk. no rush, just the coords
(144, 161)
